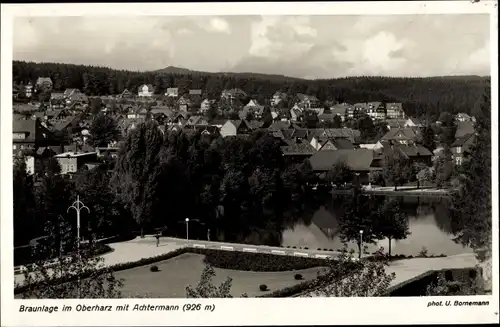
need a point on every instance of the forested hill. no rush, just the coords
(420, 96)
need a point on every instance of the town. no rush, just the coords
(221, 176)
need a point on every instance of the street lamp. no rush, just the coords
(187, 229)
(360, 242)
(78, 206)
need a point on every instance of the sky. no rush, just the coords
(299, 46)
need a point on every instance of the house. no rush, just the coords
(316, 137)
(307, 102)
(296, 113)
(326, 117)
(463, 117)
(396, 123)
(342, 110)
(461, 147)
(405, 135)
(359, 109)
(254, 108)
(298, 152)
(218, 123)
(172, 92)
(178, 119)
(235, 127)
(233, 94)
(126, 94)
(413, 122)
(376, 110)
(161, 114)
(371, 146)
(44, 83)
(195, 94)
(416, 154)
(336, 144)
(71, 162)
(137, 113)
(75, 96)
(28, 90)
(184, 104)
(145, 91)
(29, 134)
(196, 121)
(205, 105)
(277, 98)
(317, 111)
(464, 128)
(359, 161)
(112, 151)
(394, 110)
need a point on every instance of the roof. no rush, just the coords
(300, 133)
(374, 105)
(406, 133)
(150, 86)
(464, 128)
(41, 80)
(279, 125)
(394, 105)
(414, 150)
(330, 133)
(394, 123)
(57, 95)
(340, 109)
(194, 92)
(357, 159)
(361, 105)
(298, 149)
(343, 144)
(460, 141)
(326, 117)
(306, 97)
(74, 154)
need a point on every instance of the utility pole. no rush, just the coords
(78, 206)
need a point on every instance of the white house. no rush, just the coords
(172, 92)
(146, 90)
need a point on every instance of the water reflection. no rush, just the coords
(429, 223)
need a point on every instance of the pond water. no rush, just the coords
(429, 224)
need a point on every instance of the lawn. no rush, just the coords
(176, 273)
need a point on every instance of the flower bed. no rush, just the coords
(248, 261)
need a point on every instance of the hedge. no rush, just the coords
(23, 254)
(249, 261)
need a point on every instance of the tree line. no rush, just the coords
(421, 97)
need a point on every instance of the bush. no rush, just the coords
(294, 247)
(153, 268)
(298, 276)
(319, 249)
(263, 287)
(306, 248)
(325, 249)
(424, 252)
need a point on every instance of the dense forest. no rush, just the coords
(421, 97)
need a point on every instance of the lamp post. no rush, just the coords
(187, 229)
(360, 242)
(78, 206)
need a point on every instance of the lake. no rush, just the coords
(429, 224)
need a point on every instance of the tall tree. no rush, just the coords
(137, 173)
(472, 215)
(395, 168)
(337, 122)
(103, 131)
(24, 203)
(358, 223)
(444, 168)
(428, 138)
(392, 222)
(339, 174)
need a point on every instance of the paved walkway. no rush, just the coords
(408, 269)
(139, 248)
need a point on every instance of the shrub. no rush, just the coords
(325, 249)
(263, 287)
(298, 276)
(319, 249)
(154, 268)
(250, 261)
(306, 248)
(423, 252)
(294, 247)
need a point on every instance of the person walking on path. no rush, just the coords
(208, 234)
(157, 239)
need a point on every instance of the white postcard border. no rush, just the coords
(291, 311)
